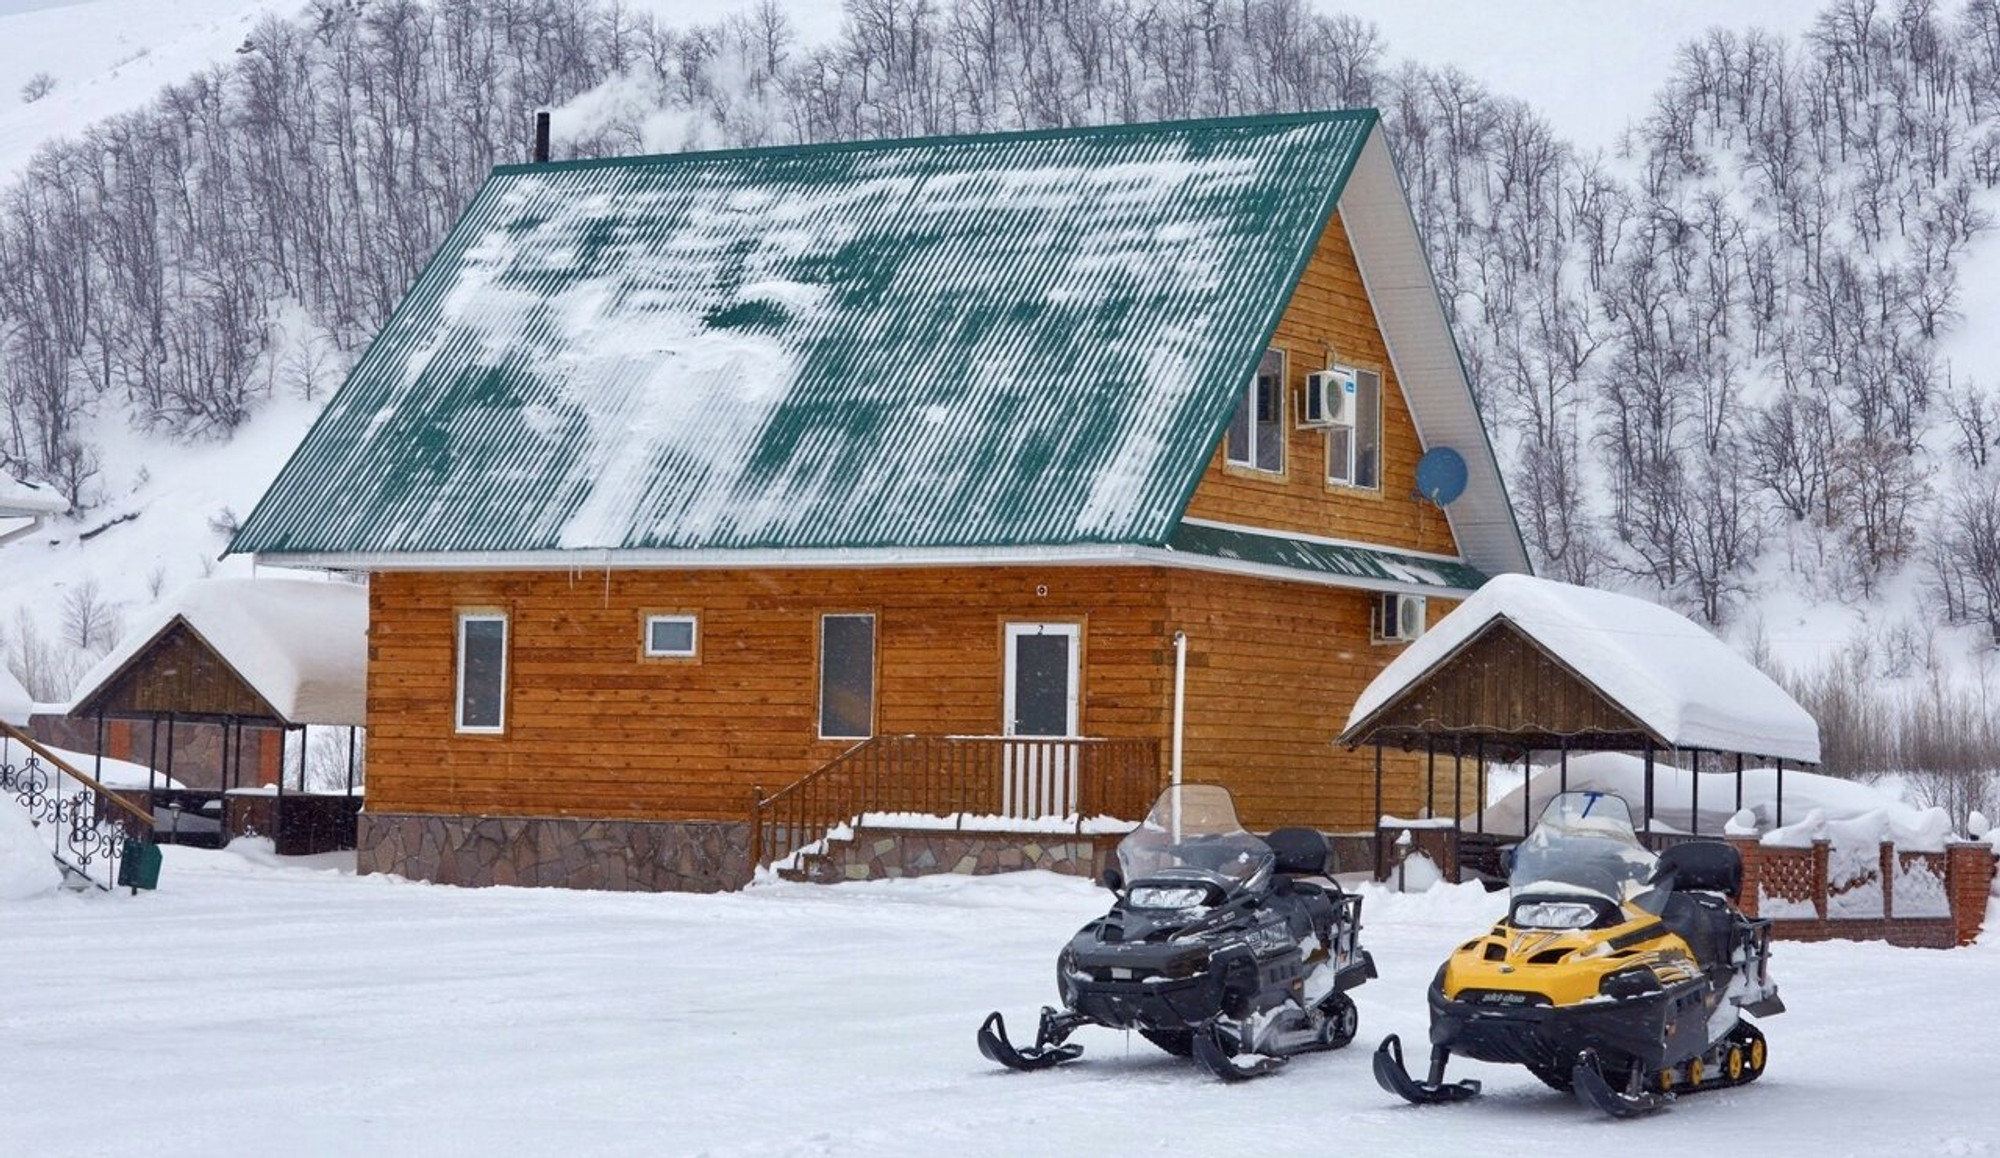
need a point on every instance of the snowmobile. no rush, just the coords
(1617, 975)
(1234, 949)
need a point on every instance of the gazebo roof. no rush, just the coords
(279, 651)
(25, 500)
(1532, 663)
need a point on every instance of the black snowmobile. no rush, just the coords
(1235, 949)
(1616, 974)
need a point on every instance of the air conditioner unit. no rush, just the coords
(1400, 618)
(1330, 397)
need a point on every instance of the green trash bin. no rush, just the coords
(139, 868)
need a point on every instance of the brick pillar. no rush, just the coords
(1821, 848)
(1886, 870)
(1969, 881)
(1753, 871)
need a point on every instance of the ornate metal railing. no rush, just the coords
(1060, 780)
(90, 823)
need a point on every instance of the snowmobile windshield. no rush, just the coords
(1584, 845)
(1192, 834)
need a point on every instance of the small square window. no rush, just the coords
(670, 636)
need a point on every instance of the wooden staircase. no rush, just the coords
(1057, 780)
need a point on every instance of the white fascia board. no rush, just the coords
(870, 558)
(1396, 273)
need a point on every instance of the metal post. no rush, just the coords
(1694, 790)
(350, 764)
(1180, 709)
(1780, 823)
(1480, 804)
(1649, 786)
(1563, 747)
(1739, 782)
(1430, 776)
(1378, 804)
(1527, 791)
(152, 758)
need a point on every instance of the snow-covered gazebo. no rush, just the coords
(283, 654)
(1530, 665)
(23, 507)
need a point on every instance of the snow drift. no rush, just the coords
(26, 868)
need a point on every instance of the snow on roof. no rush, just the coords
(996, 341)
(301, 644)
(15, 702)
(1691, 689)
(19, 499)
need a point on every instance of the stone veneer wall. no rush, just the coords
(876, 853)
(561, 852)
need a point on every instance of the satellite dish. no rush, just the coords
(1441, 475)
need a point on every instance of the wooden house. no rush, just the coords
(713, 495)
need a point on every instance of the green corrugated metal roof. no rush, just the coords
(1348, 561)
(1031, 338)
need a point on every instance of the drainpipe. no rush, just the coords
(1180, 721)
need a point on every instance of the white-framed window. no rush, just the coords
(846, 676)
(482, 671)
(672, 636)
(1354, 452)
(1256, 437)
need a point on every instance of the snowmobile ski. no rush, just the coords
(1392, 1075)
(1213, 1054)
(1594, 1090)
(1044, 1054)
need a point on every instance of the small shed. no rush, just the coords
(247, 658)
(1529, 666)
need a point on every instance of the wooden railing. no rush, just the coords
(1012, 778)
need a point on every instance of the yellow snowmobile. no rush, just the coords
(1616, 974)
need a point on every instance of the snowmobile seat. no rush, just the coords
(1707, 866)
(1706, 922)
(1302, 852)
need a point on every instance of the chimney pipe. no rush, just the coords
(542, 137)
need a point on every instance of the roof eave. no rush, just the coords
(1127, 555)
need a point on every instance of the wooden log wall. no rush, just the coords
(594, 729)
(1273, 669)
(1330, 312)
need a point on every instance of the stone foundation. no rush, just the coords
(698, 856)
(876, 853)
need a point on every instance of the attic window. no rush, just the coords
(1354, 453)
(482, 672)
(1256, 436)
(670, 636)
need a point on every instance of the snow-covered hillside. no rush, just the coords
(105, 57)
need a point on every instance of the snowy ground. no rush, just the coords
(299, 1010)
